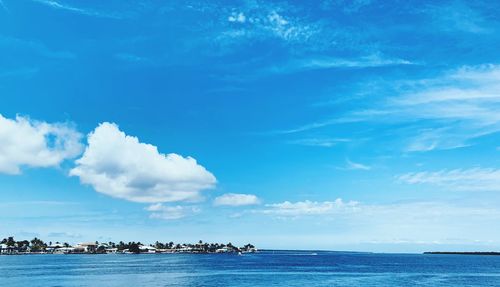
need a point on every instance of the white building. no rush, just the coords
(86, 247)
(5, 249)
(147, 249)
(53, 247)
(111, 250)
(223, 250)
(64, 250)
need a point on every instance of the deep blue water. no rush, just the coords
(262, 269)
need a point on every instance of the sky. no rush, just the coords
(340, 125)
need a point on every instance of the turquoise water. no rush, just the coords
(262, 269)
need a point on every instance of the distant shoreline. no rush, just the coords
(463, 253)
(9, 246)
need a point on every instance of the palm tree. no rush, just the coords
(134, 248)
(11, 241)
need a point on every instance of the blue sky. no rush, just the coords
(346, 125)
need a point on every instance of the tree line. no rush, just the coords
(38, 245)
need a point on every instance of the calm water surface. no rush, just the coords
(262, 269)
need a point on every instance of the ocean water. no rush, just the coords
(279, 268)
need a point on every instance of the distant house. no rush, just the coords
(147, 249)
(53, 247)
(5, 249)
(64, 250)
(111, 250)
(86, 247)
(184, 249)
(223, 250)
(27, 249)
(250, 250)
(166, 250)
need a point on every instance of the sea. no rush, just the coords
(266, 268)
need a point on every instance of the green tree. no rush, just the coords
(11, 241)
(23, 245)
(134, 248)
(101, 249)
(37, 244)
(121, 245)
(159, 245)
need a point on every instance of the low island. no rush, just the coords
(462, 253)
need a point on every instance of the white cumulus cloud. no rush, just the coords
(120, 166)
(24, 142)
(235, 199)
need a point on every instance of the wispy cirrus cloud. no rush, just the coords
(128, 57)
(57, 5)
(261, 20)
(319, 63)
(66, 7)
(64, 235)
(285, 25)
(160, 211)
(236, 199)
(380, 211)
(308, 208)
(462, 105)
(17, 44)
(445, 112)
(458, 16)
(319, 142)
(421, 222)
(356, 165)
(307, 127)
(2, 5)
(473, 179)
(347, 7)
(19, 72)
(24, 204)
